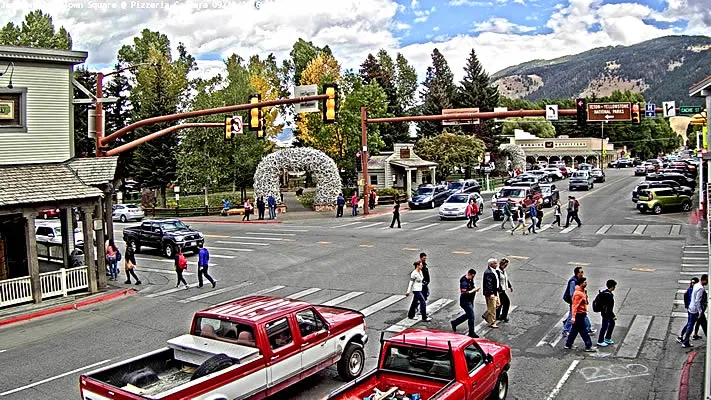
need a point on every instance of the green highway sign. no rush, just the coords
(690, 110)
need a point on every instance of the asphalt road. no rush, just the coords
(321, 259)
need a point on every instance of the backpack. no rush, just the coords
(118, 255)
(182, 261)
(597, 303)
(566, 295)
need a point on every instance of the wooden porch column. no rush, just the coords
(67, 235)
(108, 211)
(100, 248)
(88, 230)
(32, 261)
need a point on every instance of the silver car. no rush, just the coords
(456, 205)
(127, 212)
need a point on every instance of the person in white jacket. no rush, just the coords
(695, 309)
(415, 286)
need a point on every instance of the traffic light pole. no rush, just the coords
(364, 157)
(148, 138)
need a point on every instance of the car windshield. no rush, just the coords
(458, 198)
(425, 190)
(512, 193)
(455, 185)
(132, 206)
(428, 362)
(173, 226)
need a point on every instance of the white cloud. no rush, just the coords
(435, 29)
(501, 25)
(470, 3)
(423, 15)
(414, 4)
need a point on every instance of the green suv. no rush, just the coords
(662, 199)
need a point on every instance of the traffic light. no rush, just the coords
(359, 162)
(330, 104)
(262, 128)
(635, 113)
(228, 128)
(255, 114)
(581, 112)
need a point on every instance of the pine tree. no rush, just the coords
(475, 90)
(439, 93)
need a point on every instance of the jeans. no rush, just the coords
(272, 212)
(579, 327)
(608, 324)
(532, 227)
(572, 215)
(502, 313)
(396, 217)
(557, 221)
(339, 211)
(113, 267)
(354, 212)
(468, 316)
(417, 298)
(690, 326)
(426, 290)
(202, 271)
(507, 218)
(566, 328)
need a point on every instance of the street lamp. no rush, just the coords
(9, 65)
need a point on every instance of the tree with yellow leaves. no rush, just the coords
(264, 78)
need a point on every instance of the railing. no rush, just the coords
(15, 291)
(59, 283)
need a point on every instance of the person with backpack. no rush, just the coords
(604, 303)
(579, 313)
(568, 298)
(508, 215)
(130, 266)
(467, 292)
(203, 262)
(181, 264)
(573, 208)
(556, 213)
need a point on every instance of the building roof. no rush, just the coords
(255, 308)
(412, 163)
(41, 183)
(377, 162)
(94, 171)
(696, 88)
(52, 56)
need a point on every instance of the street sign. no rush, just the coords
(609, 111)
(309, 106)
(447, 111)
(669, 109)
(690, 110)
(650, 110)
(552, 112)
(237, 125)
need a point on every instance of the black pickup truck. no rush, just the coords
(163, 234)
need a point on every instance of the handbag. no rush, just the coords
(130, 265)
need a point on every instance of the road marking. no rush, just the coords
(163, 271)
(261, 238)
(643, 269)
(31, 385)
(216, 236)
(458, 227)
(372, 309)
(388, 227)
(344, 225)
(695, 252)
(285, 230)
(555, 330)
(694, 258)
(303, 293)
(343, 298)
(544, 228)
(681, 291)
(639, 229)
(461, 252)
(410, 249)
(323, 242)
(173, 290)
(270, 234)
(369, 225)
(694, 265)
(519, 257)
(426, 226)
(487, 228)
(692, 272)
(228, 257)
(680, 314)
(367, 246)
(563, 379)
(407, 322)
(635, 336)
(243, 243)
(226, 249)
(675, 230)
(257, 293)
(679, 302)
(2, 351)
(686, 281)
(568, 229)
(696, 246)
(578, 263)
(165, 260)
(603, 230)
(216, 292)
(423, 218)
(289, 240)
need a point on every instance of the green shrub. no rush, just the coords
(214, 200)
(307, 199)
(390, 192)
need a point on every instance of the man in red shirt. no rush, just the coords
(578, 315)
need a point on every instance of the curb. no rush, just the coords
(232, 222)
(684, 382)
(65, 307)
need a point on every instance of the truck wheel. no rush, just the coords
(169, 250)
(213, 364)
(134, 243)
(352, 362)
(502, 387)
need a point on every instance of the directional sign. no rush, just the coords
(690, 110)
(237, 125)
(552, 112)
(609, 111)
(309, 106)
(669, 109)
(650, 110)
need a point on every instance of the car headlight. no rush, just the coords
(200, 235)
(179, 238)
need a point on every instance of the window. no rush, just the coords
(430, 362)
(665, 193)
(279, 333)
(374, 179)
(228, 331)
(474, 357)
(146, 226)
(12, 110)
(309, 322)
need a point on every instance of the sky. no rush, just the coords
(502, 32)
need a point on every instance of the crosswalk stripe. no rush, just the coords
(343, 298)
(426, 226)
(483, 328)
(273, 234)
(568, 229)
(285, 230)
(553, 333)
(162, 271)
(303, 293)
(369, 225)
(686, 281)
(691, 273)
(603, 230)
(388, 226)
(544, 228)
(694, 265)
(344, 225)
(694, 252)
(675, 230)
(224, 249)
(169, 291)
(694, 258)
(635, 336)
(242, 243)
(639, 229)
(696, 246)
(407, 322)
(423, 218)
(679, 301)
(215, 292)
(681, 291)
(165, 260)
(458, 227)
(373, 308)
(679, 314)
(490, 227)
(261, 238)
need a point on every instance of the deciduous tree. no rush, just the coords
(449, 151)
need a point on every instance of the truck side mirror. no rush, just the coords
(489, 358)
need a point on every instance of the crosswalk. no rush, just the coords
(694, 263)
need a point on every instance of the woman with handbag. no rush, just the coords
(130, 266)
(247, 210)
(415, 286)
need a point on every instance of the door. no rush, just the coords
(313, 334)
(283, 360)
(155, 236)
(482, 376)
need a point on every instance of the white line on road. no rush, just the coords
(344, 225)
(694, 265)
(52, 378)
(563, 379)
(544, 228)
(303, 293)
(680, 302)
(227, 249)
(243, 243)
(372, 309)
(165, 260)
(162, 271)
(675, 230)
(682, 291)
(488, 228)
(273, 234)
(458, 227)
(603, 230)
(423, 218)
(285, 230)
(257, 293)
(697, 246)
(2, 351)
(343, 298)
(694, 252)
(692, 272)
(635, 336)
(261, 238)
(639, 229)
(568, 229)
(407, 322)
(169, 291)
(388, 227)
(680, 314)
(369, 225)
(694, 258)
(553, 333)
(216, 292)
(426, 226)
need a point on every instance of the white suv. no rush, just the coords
(51, 232)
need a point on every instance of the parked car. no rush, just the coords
(682, 179)
(584, 167)
(430, 364)
(660, 184)
(464, 186)
(429, 196)
(525, 177)
(565, 171)
(51, 233)
(554, 173)
(49, 213)
(659, 200)
(550, 194)
(246, 348)
(127, 212)
(455, 206)
(598, 175)
(163, 234)
(581, 179)
(543, 176)
(640, 170)
(514, 193)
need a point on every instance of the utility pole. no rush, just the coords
(364, 156)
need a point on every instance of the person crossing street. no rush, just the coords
(203, 262)
(508, 217)
(467, 292)
(396, 214)
(502, 312)
(491, 292)
(579, 315)
(415, 286)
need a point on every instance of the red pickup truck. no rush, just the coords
(429, 364)
(247, 348)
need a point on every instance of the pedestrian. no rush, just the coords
(502, 312)
(573, 208)
(539, 212)
(467, 292)
(271, 202)
(340, 202)
(519, 214)
(371, 200)
(354, 204)
(416, 285)
(556, 212)
(533, 212)
(695, 304)
(247, 210)
(260, 206)
(112, 259)
(469, 213)
(475, 213)
(130, 265)
(181, 264)
(203, 263)
(568, 298)
(225, 207)
(426, 276)
(396, 213)
(491, 292)
(605, 301)
(579, 307)
(701, 321)
(687, 300)
(508, 215)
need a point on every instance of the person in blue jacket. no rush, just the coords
(203, 262)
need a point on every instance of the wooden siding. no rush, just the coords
(49, 137)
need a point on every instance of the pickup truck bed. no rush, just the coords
(384, 381)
